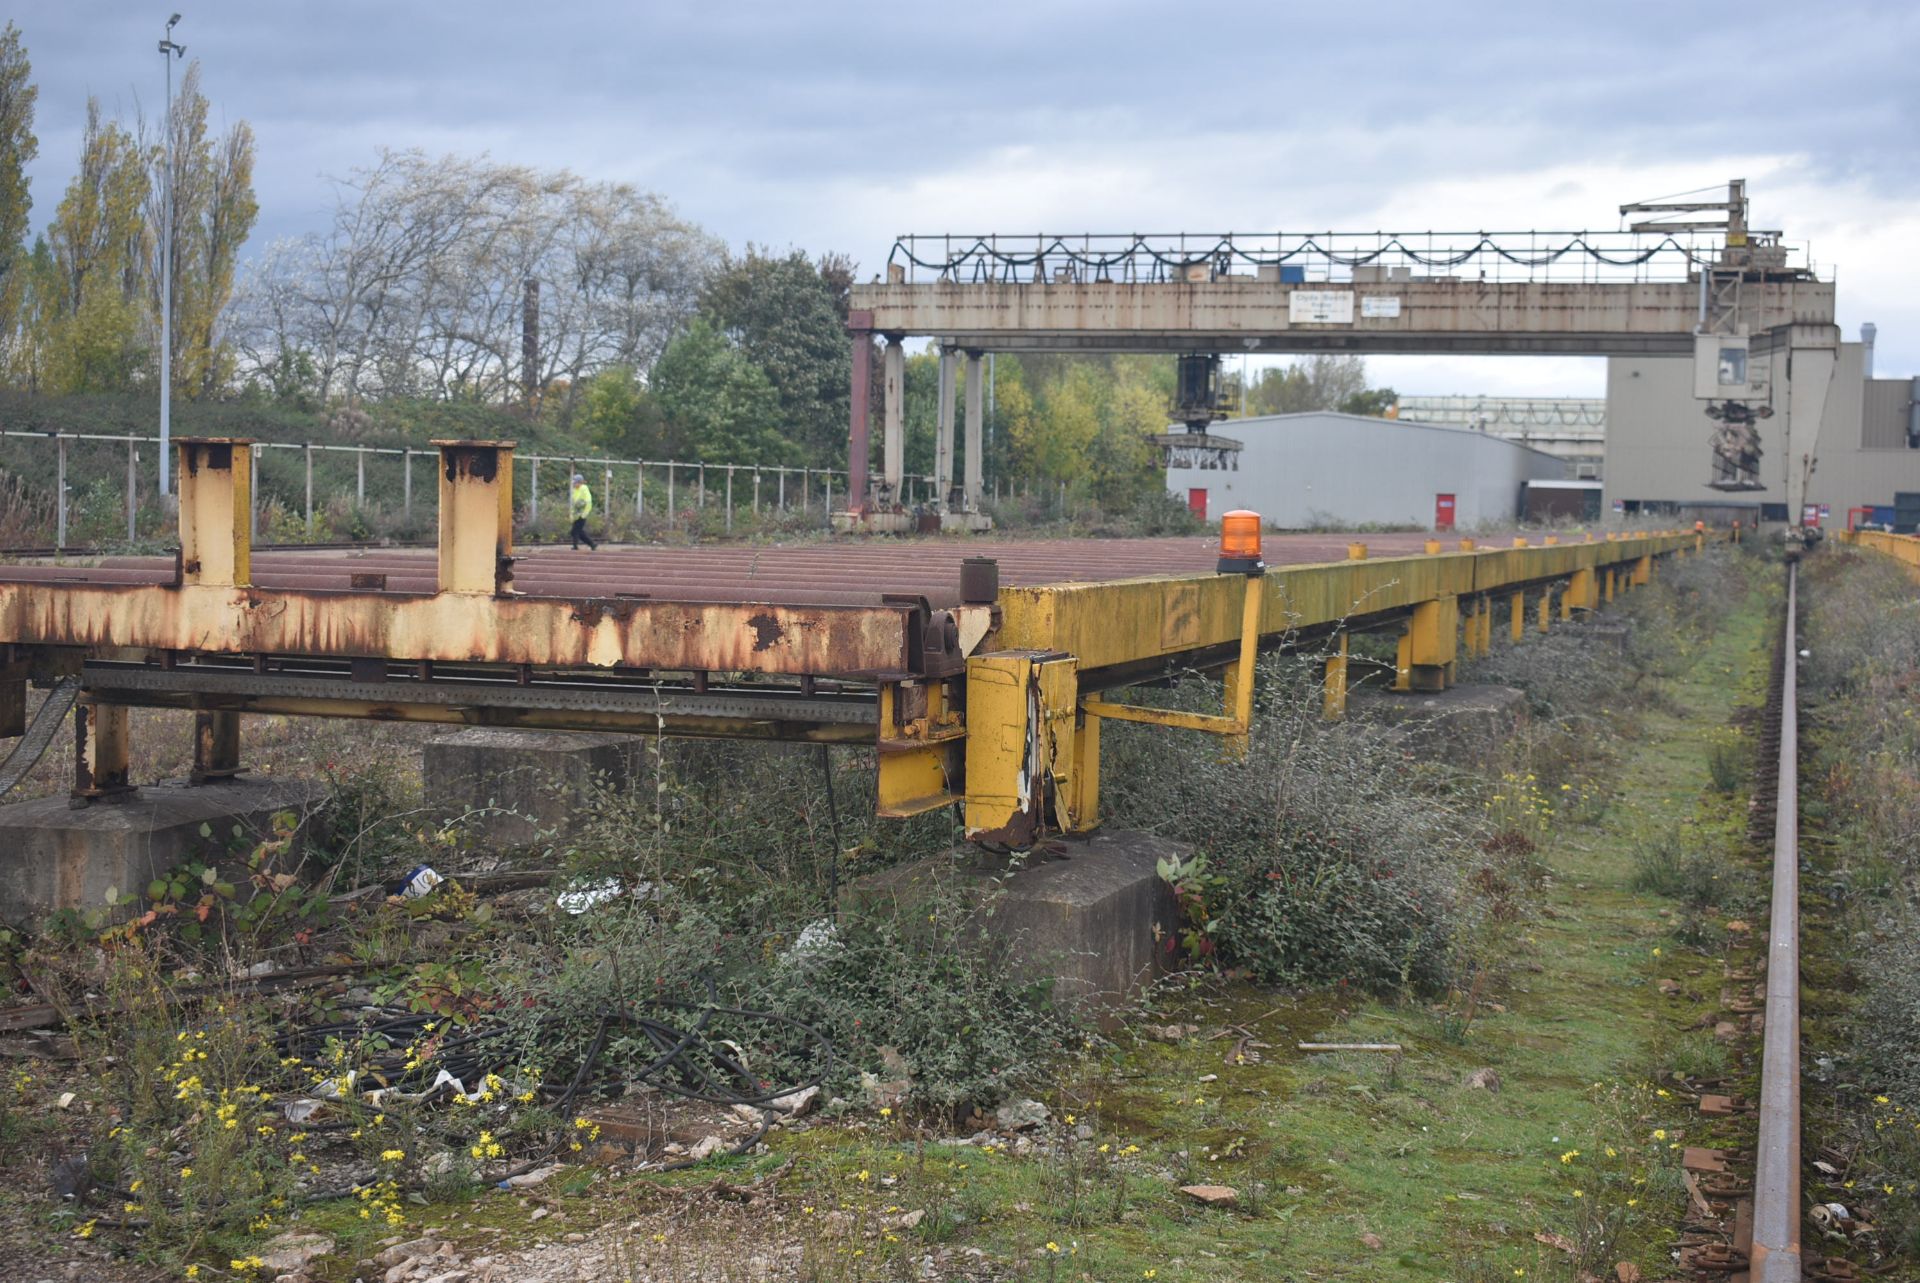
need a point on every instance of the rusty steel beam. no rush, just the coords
(545, 632)
(489, 713)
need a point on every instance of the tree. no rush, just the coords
(1374, 402)
(618, 414)
(789, 315)
(718, 406)
(97, 244)
(418, 286)
(18, 147)
(213, 212)
(1319, 382)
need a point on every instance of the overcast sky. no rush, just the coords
(835, 127)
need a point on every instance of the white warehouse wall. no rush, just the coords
(1322, 468)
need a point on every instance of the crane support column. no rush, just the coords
(859, 446)
(1517, 626)
(943, 497)
(893, 444)
(976, 433)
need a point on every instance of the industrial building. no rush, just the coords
(1866, 454)
(1320, 468)
(1573, 428)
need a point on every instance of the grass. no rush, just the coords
(1347, 1166)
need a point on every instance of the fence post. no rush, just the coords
(309, 452)
(780, 500)
(132, 492)
(60, 487)
(406, 483)
(829, 494)
(606, 470)
(756, 494)
(803, 490)
(360, 477)
(669, 493)
(700, 499)
(729, 498)
(533, 492)
(639, 489)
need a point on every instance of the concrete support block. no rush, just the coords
(54, 857)
(1464, 723)
(531, 784)
(1094, 920)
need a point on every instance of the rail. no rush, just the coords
(1775, 1255)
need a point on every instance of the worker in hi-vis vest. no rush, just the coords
(582, 508)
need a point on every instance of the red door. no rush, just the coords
(1197, 502)
(1443, 512)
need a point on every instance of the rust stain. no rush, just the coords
(766, 631)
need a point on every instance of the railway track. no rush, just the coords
(1749, 1201)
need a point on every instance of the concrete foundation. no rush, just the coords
(524, 786)
(1462, 723)
(1094, 918)
(53, 857)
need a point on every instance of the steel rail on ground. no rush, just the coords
(1775, 1257)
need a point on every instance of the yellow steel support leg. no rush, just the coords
(1433, 643)
(1486, 626)
(1643, 571)
(1239, 700)
(1083, 794)
(1609, 587)
(1517, 626)
(1546, 606)
(1333, 699)
(1021, 745)
(919, 749)
(1583, 593)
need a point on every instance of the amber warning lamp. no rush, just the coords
(1240, 544)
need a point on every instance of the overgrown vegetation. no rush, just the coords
(1861, 692)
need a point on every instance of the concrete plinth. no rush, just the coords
(1463, 723)
(523, 786)
(53, 857)
(1094, 919)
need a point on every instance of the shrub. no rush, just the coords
(1337, 857)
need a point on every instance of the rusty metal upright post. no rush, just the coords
(476, 516)
(216, 747)
(216, 511)
(100, 763)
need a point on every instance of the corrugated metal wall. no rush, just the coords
(1884, 415)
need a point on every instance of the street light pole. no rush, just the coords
(169, 50)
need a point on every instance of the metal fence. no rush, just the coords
(667, 487)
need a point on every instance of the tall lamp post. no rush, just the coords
(169, 50)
